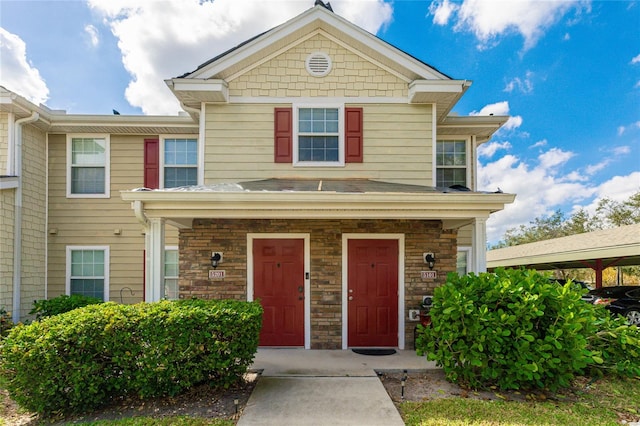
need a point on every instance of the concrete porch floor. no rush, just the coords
(333, 363)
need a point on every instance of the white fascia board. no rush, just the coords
(211, 85)
(307, 18)
(438, 86)
(317, 204)
(561, 257)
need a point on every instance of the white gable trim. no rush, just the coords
(317, 13)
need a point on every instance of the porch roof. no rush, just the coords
(315, 199)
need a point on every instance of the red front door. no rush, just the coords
(372, 293)
(278, 281)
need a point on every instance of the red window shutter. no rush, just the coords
(353, 135)
(152, 163)
(283, 135)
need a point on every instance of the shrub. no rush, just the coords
(511, 329)
(61, 304)
(616, 343)
(83, 359)
(5, 322)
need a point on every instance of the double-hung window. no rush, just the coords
(171, 272)
(319, 136)
(88, 166)
(451, 162)
(180, 162)
(88, 271)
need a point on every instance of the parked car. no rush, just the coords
(627, 306)
(606, 295)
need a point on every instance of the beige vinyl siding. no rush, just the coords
(397, 145)
(7, 198)
(33, 217)
(94, 221)
(285, 75)
(465, 235)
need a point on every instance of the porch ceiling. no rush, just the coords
(315, 199)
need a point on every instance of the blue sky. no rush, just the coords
(567, 72)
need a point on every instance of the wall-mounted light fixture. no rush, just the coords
(216, 259)
(429, 259)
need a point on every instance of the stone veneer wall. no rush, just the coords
(230, 237)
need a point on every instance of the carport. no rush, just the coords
(597, 250)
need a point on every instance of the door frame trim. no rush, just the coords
(307, 268)
(345, 276)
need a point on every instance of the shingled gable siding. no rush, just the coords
(230, 237)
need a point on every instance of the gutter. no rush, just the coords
(17, 226)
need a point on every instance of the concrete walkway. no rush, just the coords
(323, 387)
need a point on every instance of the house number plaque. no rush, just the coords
(215, 274)
(428, 275)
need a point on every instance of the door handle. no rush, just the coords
(300, 289)
(350, 297)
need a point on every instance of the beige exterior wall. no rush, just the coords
(286, 76)
(94, 221)
(397, 145)
(34, 166)
(6, 224)
(7, 198)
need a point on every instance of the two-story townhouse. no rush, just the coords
(318, 171)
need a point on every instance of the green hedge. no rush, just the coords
(83, 359)
(61, 304)
(511, 329)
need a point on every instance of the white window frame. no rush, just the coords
(106, 165)
(296, 155)
(105, 249)
(469, 252)
(164, 285)
(198, 165)
(467, 166)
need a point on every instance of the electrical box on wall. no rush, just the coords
(427, 300)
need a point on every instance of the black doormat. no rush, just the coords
(376, 352)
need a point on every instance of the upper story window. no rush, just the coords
(315, 135)
(451, 163)
(180, 162)
(88, 271)
(319, 135)
(88, 166)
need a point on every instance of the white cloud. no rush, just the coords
(623, 129)
(163, 39)
(622, 150)
(92, 33)
(524, 85)
(442, 11)
(595, 168)
(540, 188)
(636, 60)
(18, 74)
(490, 19)
(488, 150)
(539, 144)
(547, 185)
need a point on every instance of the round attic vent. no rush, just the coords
(318, 64)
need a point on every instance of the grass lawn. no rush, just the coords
(608, 401)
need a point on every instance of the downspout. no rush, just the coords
(17, 225)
